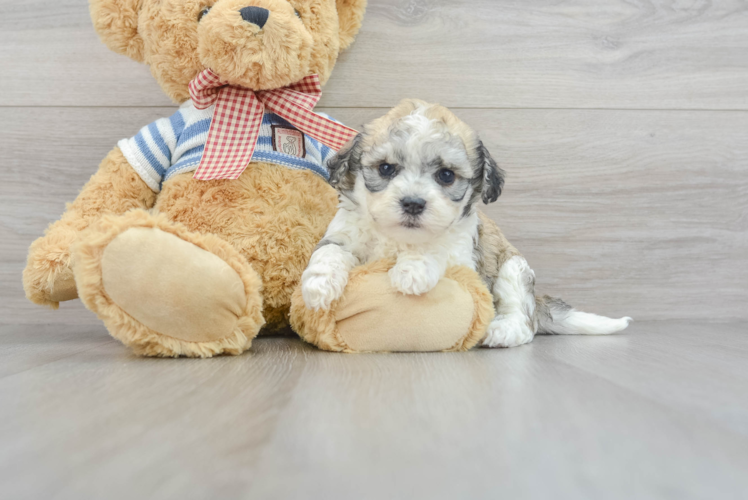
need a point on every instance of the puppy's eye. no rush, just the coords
(297, 13)
(203, 13)
(386, 170)
(445, 176)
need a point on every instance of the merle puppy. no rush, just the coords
(409, 185)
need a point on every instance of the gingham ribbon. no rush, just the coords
(238, 115)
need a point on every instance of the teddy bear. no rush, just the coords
(193, 234)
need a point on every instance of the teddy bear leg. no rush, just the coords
(167, 291)
(373, 317)
(274, 216)
(115, 188)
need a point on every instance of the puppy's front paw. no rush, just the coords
(322, 285)
(414, 277)
(509, 330)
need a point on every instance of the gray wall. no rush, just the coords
(623, 126)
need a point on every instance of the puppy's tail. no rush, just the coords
(557, 317)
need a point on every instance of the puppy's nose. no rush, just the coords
(255, 15)
(413, 206)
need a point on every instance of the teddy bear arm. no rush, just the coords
(114, 189)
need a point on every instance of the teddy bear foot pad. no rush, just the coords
(165, 295)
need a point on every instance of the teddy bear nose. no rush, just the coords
(255, 15)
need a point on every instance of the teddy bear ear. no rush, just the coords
(116, 22)
(350, 15)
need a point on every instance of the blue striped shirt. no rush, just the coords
(174, 145)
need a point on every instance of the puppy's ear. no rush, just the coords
(345, 164)
(493, 176)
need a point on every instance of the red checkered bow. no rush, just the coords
(236, 121)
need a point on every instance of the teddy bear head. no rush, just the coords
(257, 44)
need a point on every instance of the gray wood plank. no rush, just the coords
(546, 420)
(24, 347)
(676, 355)
(639, 213)
(478, 53)
(166, 412)
(628, 211)
(511, 424)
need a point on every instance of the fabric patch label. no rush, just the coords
(289, 141)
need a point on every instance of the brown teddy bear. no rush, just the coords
(175, 259)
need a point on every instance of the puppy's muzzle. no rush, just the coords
(413, 206)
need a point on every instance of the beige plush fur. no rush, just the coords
(90, 251)
(373, 317)
(166, 35)
(270, 219)
(274, 216)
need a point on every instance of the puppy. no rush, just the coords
(408, 188)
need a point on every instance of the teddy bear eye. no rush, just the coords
(295, 11)
(203, 13)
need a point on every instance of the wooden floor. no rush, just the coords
(660, 412)
(623, 126)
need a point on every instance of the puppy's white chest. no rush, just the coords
(455, 248)
(462, 255)
(379, 248)
(460, 250)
